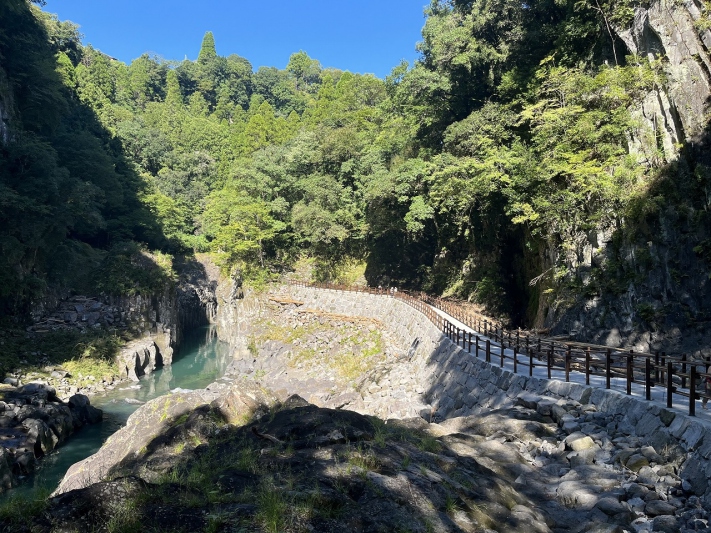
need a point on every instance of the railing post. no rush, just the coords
(470, 342)
(488, 351)
(683, 371)
(515, 355)
(476, 349)
(630, 370)
(648, 378)
(608, 367)
(502, 353)
(567, 363)
(587, 365)
(670, 384)
(530, 364)
(656, 367)
(664, 366)
(692, 391)
(538, 352)
(550, 361)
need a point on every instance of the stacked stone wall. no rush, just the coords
(439, 380)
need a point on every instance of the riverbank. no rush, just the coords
(561, 459)
(233, 456)
(200, 360)
(81, 347)
(585, 460)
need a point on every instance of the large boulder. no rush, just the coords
(82, 411)
(40, 436)
(35, 392)
(33, 422)
(243, 402)
(139, 358)
(146, 429)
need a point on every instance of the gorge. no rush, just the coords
(561, 456)
(545, 164)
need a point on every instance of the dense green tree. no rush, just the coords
(208, 53)
(64, 36)
(173, 94)
(147, 80)
(306, 71)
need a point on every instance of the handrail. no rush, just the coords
(676, 373)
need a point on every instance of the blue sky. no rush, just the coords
(357, 35)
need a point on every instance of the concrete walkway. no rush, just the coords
(659, 394)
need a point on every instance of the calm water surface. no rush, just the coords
(200, 360)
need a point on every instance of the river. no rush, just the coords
(200, 360)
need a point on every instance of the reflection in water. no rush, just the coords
(200, 360)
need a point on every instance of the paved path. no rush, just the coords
(659, 394)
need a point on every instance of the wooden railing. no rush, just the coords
(526, 351)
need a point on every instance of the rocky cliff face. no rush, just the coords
(235, 312)
(666, 31)
(196, 291)
(155, 323)
(644, 283)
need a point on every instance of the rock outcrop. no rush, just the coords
(666, 30)
(140, 358)
(147, 429)
(304, 468)
(643, 281)
(33, 421)
(197, 288)
(324, 357)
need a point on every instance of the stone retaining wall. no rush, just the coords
(437, 380)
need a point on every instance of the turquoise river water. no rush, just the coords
(200, 360)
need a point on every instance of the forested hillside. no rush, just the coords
(518, 163)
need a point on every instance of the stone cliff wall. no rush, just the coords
(5, 108)
(677, 112)
(156, 322)
(235, 310)
(645, 282)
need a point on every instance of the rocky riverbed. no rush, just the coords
(236, 457)
(399, 431)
